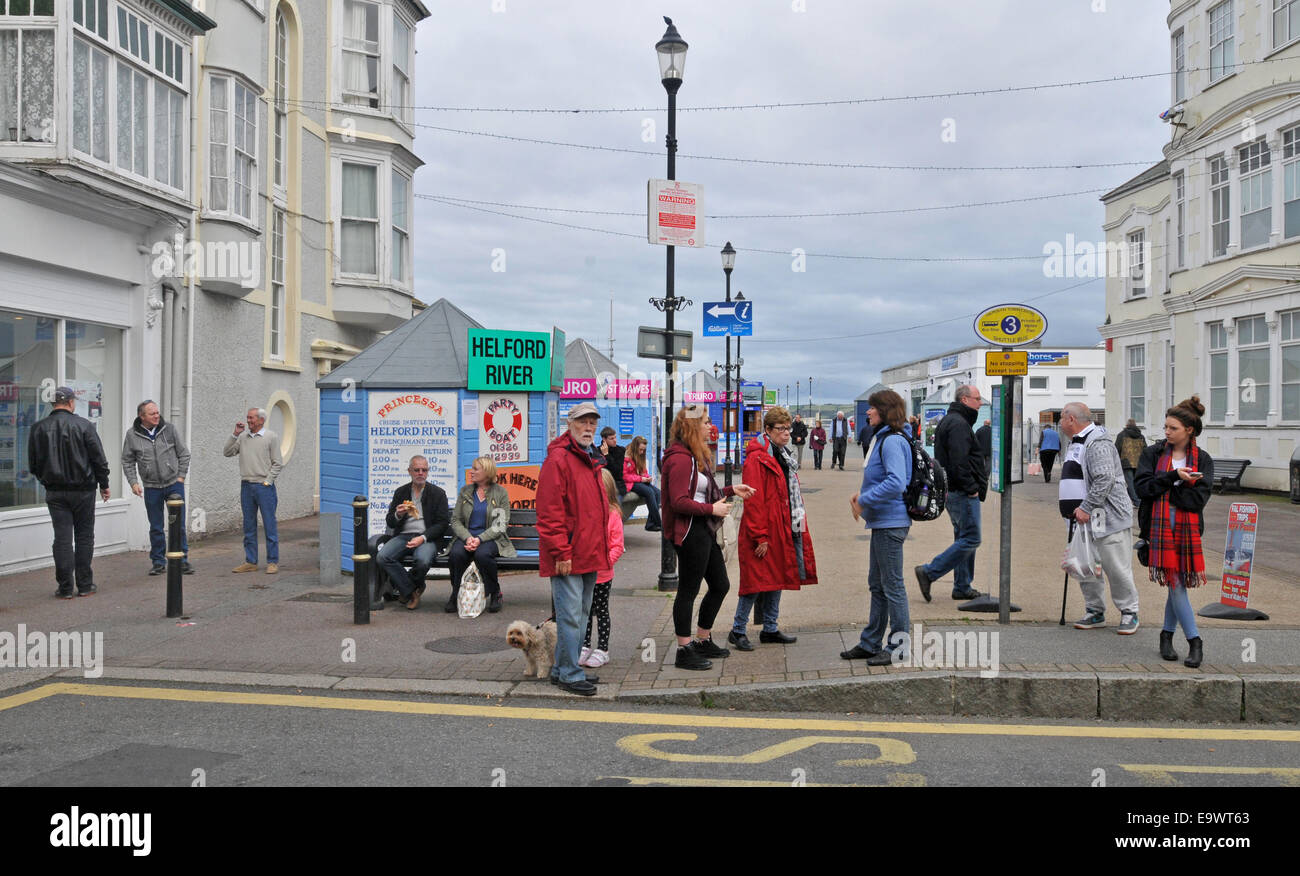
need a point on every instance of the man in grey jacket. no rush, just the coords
(1093, 494)
(156, 450)
(258, 450)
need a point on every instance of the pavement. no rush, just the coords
(292, 631)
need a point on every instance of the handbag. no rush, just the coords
(1035, 468)
(1143, 548)
(472, 598)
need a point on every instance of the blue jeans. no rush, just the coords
(650, 493)
(253, 497)
(1178, 610)
(888, 593)
(769, 603)
(959, 558)
(155, 505)
(572, 597)
(390, 559)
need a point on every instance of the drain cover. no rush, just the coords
(468, 645)
(323, 597)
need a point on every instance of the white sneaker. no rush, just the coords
(583, 655)
(597, 658)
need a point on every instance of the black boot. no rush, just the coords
(1167, 651)
(1193, 653)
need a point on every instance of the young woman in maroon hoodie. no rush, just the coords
(693, 508)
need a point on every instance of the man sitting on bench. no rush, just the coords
(418, 516)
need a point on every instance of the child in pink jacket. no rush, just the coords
(594, 657)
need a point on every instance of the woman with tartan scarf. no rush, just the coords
(1173, 481)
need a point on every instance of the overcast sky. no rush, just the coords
(839, 321)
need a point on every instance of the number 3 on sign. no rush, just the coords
(1010, 325)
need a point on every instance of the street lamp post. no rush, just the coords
(728, 263)
(671, 52)
(810, 401)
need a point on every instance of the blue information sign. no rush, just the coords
(734, 318)
(626, 421)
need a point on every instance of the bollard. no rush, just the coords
(175, 556)
(360, 560)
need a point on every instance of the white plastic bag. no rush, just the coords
(472, 598)
(1081, 558)
(728, 534)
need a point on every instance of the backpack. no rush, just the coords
(927, 492)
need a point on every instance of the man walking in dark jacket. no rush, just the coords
(956, 449)
(64, 453)
(799, 437)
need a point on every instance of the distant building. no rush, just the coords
(1056, 375)
(1207, 299)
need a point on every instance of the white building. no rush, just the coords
(1056, 375)
(1209, 303)
(206, 208)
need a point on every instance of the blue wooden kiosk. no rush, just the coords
(421, 390)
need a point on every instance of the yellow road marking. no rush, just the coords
(894, 751)
(661, 719)
(1163, 774)
(893, 780)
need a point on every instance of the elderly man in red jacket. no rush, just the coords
(572, 512)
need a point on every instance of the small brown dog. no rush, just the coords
(537, 643)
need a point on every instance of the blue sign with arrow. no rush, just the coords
(723, 318)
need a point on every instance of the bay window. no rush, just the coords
(401, 225)
(26, 84)
(361, 53)
(1222, 43)
(360, 219)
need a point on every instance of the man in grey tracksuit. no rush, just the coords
(156, 450)
(1093, 494)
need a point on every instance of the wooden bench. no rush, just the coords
(522, 531)
(1228, 472)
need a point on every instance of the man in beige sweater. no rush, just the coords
(258, 450)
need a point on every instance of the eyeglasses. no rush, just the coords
(418, 470)
(780, 428)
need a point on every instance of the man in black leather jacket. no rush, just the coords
(64, 453)
(956, 449)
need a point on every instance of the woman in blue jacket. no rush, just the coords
(885, 477)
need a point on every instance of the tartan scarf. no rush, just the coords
(1175, 533)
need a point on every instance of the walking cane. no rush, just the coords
(1065, 585)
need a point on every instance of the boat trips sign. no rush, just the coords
(506, 360)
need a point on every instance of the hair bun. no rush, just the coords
(1194, 405)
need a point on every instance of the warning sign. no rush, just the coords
(674, 212)
(1006, 363)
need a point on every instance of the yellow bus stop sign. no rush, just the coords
(1010, 325)
(1006, 363)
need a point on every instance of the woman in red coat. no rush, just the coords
(775, 546)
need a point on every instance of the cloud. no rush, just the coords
(600, 54)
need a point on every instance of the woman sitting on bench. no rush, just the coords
(480, 522)
(638, 480)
